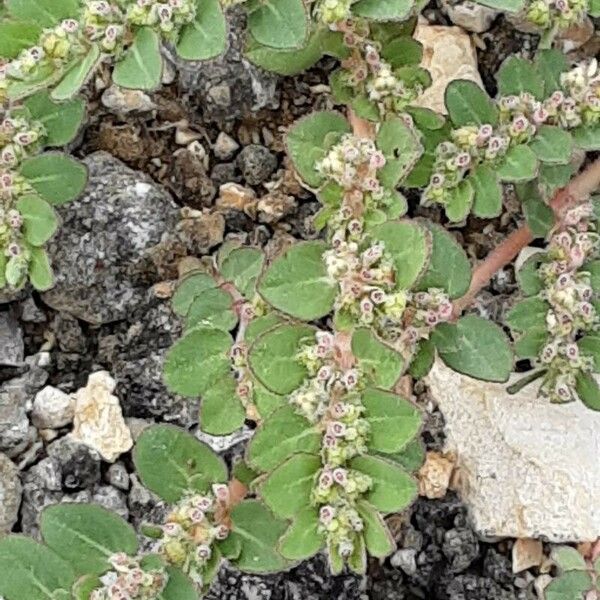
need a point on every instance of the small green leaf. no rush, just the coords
(188, 290)
(551, 64)
(423, 359)
(589, 345)
(588, 390)
(383, 10)
(572, 585)
(265, 400)
(568, 559)
(519, 164)
(449, 267)
(16, 36)
(401, 148)
(409, 245)
(212, 308)
(259, 531)
(509, 6)
(31, 571)
(77, 76)
(378, 539)
(61, 120)
(272, 357)
(527, 314)
(528, 276)
(357, 561)
(278, 23)
(279, 436)
(393, 488)
(291, 62)
(587, 137)
(141, 66)
(86, 535)
(476, 347)
(197, 361)
(412, 457)
(531, 343)
(242, 267)
(206, 36)
(425, 118)
(460, 201)
(468, 104)
(260, 325)
(221, 411)
(179, 587)
(172, 462)
(380, 363)
(593, 268)
(302, 539)
(394, 421)
(401, 52)
(297, 283)
(55, 177)
(552, 177)
(552, 145)
(39, 219)
(45, 13)
(539, 216)
(487, 202)
(517, 75)
(310, 138)
(287, 490)
(40, 271)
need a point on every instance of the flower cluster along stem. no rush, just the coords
(575, 192)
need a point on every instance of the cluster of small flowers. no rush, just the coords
(568, 291)
(19, 138)
(342, 526)
(56, 48)
(167, 17)
(128, 581)
(190, 530)
(520, 118)
(366, 282)
(424, 311)
(353, 163)
(556, 15)
(331, 12)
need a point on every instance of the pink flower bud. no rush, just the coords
(326, 514)
(14, 249)
(340, 476)
(355, 226)
(563, 281)
(237, 351)
(336, 429)
(557, 98)
(172, 529)
(371, 184)
(378, 296)
(366, 306)
(6, 180)
(243, 390)
(572, 351)
(338, 410)
(204, 503)
(329, 441)
(324, 373)
(221, 492)
(377, 160)
(222, 532)
(70, 25)
(431, 318)
(485, 132)
(445, 309)
(463, 160)
(325, 480)
(203, 552)
(324, 338)
(196, 515)
(350, 378)
(548, 353)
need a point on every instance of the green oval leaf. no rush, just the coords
(383, 10)
(16, 36)
(206, 36)
(40, 271)
(297, 283)
(278, 23)
(171, 462)
(77, 76)
(378, 539)
(476, 347)
(468, 104)
(221, 410)
(86, 535)
(302, 539)
(197, 361)
(380, 363)
(39, 219)
(55, 177)
(141, 67)
(45, 13)
(518, 75)
(518, 165)
(487, 200)
(553, 145)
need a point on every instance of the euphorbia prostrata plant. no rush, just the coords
(316, 346)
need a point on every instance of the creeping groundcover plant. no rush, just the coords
(316, 347)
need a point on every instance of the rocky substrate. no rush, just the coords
(171, 177)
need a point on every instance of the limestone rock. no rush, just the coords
(434, 476)
(11, 341)
(526, 553)
(10, 494)
(98, 421)
(52, 408)
(470, 15)
(528, 468)
(448, 54)
(123, 101)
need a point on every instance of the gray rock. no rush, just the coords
(79, 464)
(30, 312)
(118, 476)
(405, 559)
(99, 252)
(10, 494)
(225, 173)
(225, 146)
(111, 499)
(15, 400)
(69, 335)
(218, 83)
(52, 408)
(11, 341)
(256, 163)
